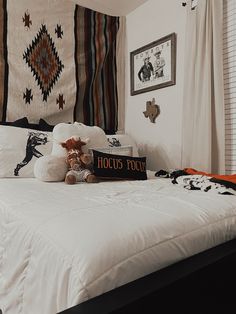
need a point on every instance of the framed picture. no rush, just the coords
(153, 66)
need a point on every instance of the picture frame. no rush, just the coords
(153, 66)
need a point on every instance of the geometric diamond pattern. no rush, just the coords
(43, 60)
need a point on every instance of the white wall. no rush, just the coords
(160, 142)
(112, 7)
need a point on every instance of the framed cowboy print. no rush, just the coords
(153, 66)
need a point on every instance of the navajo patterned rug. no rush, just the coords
(3, 64)
(57, 62)
(40, 49)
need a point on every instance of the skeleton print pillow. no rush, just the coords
(119, 140)
(19, 150)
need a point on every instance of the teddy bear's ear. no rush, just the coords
(86, 140)
(76, 138)
(63, 145)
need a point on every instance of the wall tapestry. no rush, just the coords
(40, 49)
(96, 36)
(57, 62)
(2, 59)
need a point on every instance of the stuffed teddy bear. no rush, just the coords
(79, 163)
(53, 167)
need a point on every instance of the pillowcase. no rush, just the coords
(44, 126)
(117, 140)
(117, 166)
(20, 148)
(50, 168)
(63, 131)
(119, 150)
(24, 123)
(20, 123)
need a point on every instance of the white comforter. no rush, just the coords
(60, 244)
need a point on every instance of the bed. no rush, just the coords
(63, 245)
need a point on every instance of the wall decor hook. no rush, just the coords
(193, 4)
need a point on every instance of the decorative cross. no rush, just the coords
(59, 31)
(61, 101)
(26, 20)
(28, 96)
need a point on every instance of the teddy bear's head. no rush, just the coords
(79, 163)
(74, 143)
(76, 159)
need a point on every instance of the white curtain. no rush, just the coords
(203, 104)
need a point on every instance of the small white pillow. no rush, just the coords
(50, 168)
(118, 140)
(63, 131)
(119, 150)
(20, 148)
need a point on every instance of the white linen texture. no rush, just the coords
(61, 245)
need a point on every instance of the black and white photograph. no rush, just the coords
(153, 66)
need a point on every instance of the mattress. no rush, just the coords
(61, 245)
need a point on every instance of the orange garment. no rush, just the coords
(230, 178)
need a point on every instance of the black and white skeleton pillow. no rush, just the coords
(19, 150)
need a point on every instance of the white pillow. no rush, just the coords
(119, 150)
(50, 168)
(118, 140)
(63, 131)
(20, 148)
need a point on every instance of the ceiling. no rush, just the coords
(113, 7)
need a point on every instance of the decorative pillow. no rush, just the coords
(20, 148)
(24, 123)
(20, 123)
(50, 168)
(117, 140)
(116, 150)
(63, 131)
(44, 126)
(117, 166)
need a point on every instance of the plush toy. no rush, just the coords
(53, 168)
(79, 163)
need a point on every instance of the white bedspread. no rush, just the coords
(60, 244)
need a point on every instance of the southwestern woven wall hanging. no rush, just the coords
(96, 35)
(57, 62)
(40, 49)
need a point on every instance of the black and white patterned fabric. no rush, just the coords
(20, 148)
(199, 182)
